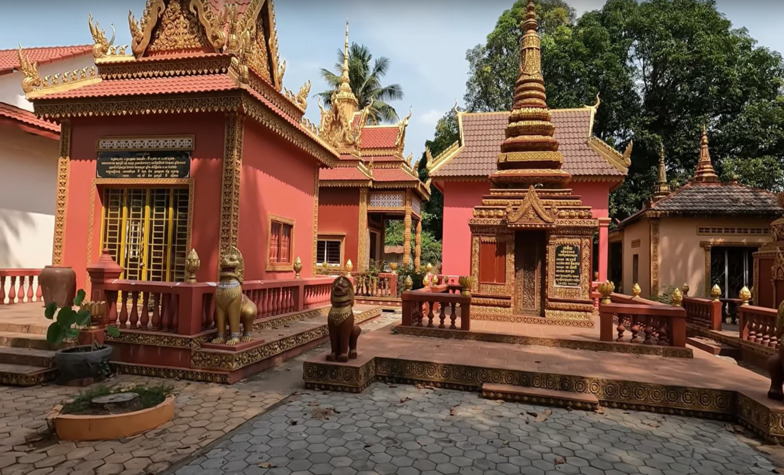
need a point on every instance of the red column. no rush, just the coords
(604, 224)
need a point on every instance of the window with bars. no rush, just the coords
(280, 242)
(146, 231)
(328, 251)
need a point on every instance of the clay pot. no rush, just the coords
(80, 362)
(58, 284)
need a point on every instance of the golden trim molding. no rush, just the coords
(230, 184)
(315, 220)
(146, 143)
(654, 257)
(362, 247)
(61, 204)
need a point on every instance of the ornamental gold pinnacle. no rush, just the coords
(529, 154)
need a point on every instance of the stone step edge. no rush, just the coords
(24, 377)
(27, 356)
(548, 397)
(21, 340)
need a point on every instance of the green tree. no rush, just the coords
(663, 69)
(366, 83)
(761, 172)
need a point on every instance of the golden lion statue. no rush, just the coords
(231, 303)
(343, 334)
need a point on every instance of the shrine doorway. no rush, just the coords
(146, 231)
(732, 269)
(529, 272)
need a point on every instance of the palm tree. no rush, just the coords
(365, 83)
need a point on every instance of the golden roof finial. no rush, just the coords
(662, 187)
(705, 172)
(29, 70)
(345, 99)
(345, 82)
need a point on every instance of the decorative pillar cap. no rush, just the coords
(106, 264)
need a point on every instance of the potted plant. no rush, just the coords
(75, 361)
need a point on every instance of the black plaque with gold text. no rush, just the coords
(567, 265)
(159, 164)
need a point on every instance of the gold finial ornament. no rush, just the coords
(466, 282)
(31, 80)
(637, 290)
(715, 292)
(745, 295)
(705, 172)
(192, 265)
(349, 266)
(102, 45)
(297, 267)
(662, 187)
(676, 297)
(393, 267)
(606, 288)
(408, 283)
(685, 289)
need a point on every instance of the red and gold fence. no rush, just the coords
(438, 306)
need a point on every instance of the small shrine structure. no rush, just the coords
(370, 184)
(531, 237)
(701, 234)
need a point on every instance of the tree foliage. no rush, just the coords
(365, 80)
(663, 69)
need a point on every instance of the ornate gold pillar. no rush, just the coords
(230, 183)
(363, 236)
(407, 231)
(654, 257)
(62, 193)
(418, 245)
(315, 220)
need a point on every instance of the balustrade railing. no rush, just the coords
(704, 313)
(758, 325)
(439, 306)
(19, 286)
(643, 323)
(382, 285)
(188, 309)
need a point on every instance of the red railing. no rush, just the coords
(188, 309)
(382, 285)
(432, 307)
(703, 313)
(758, 325)
(22, 286)
(644, 323)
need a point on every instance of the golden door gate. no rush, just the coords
(146, 231)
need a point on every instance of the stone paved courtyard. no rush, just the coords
(409, 430)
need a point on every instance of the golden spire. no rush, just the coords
(529, 155)
(345, 98)
(662, 187)
(705, 172)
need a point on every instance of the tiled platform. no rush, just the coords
(704, 385)
(24, 318)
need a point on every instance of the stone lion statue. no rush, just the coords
(775, 368)
(230, 303)
(343, 334)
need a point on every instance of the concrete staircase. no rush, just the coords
(25, 357)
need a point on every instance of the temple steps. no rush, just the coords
(545, 397)
(714, 347)
(25, 359)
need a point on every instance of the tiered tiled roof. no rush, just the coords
(28, 120)
(9, 58)
(584, 157)
(149, 86)
(704, 195)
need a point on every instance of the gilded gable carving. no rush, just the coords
(178, 29)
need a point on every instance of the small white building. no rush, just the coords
(28, 158)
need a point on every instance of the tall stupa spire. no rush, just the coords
(705, 172)
(530, 155)
(662, 187)
(345, 98)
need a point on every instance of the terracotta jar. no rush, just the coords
(58, 284)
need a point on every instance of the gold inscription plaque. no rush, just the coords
(158, 164)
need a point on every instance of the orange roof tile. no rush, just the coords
(392, 174)
(379, 137)
(26, 117)
(148, 86)
(484, 132)
(342, 173)
(9, 58)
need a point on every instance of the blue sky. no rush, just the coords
(426, 40)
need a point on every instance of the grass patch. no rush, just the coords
(149, 396)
